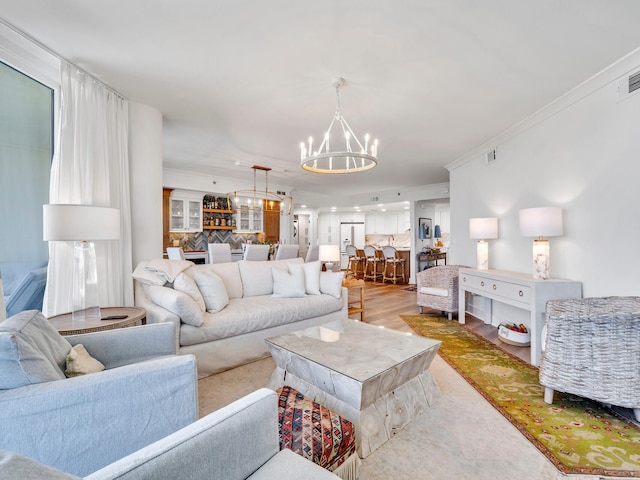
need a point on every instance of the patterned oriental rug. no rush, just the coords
(577, 435)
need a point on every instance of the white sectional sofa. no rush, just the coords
(225, 311)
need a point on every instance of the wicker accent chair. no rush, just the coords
(591, 348)
(438, 288)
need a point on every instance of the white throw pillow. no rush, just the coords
(177, 302)
(213, 290)
(331, 283)
(184, 283)
(288, 284)
(311, 276)
(79, 362)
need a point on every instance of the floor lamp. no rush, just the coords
(82, 224)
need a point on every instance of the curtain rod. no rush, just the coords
(59, 57)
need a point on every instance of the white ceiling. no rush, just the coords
(245, 81)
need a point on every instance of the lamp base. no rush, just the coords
(88, 314)
(541, 259)
(483, 255)
(85, 283)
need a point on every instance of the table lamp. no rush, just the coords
(437, 234)
(483, 229)
(328, 254)
(541, 222)
(82, 224)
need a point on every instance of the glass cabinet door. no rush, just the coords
(177, 214)
(195, 221)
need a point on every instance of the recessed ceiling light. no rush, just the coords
(381, 205)
(303, 206)
(384, 209)
(356, 208)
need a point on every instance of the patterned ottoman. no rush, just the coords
(315, 432)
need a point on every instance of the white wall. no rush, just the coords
(581, 153)
(145, 165)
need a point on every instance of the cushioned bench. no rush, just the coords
(316, 433)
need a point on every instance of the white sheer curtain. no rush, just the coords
(91, 166)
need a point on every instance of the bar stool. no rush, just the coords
(361, 258)
(372, 263)
(393, 265)
(352, 262)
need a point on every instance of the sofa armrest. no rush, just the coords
(230, 443)
(81, 424)
(123, 346)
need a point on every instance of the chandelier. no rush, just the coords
(262, 200)
(353, 157)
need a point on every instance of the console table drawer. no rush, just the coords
(489, 287)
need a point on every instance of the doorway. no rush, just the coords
(301, 232)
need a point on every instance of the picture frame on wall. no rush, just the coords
(424, 228)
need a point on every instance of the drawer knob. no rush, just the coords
(494, 286)
(521, 293)
(482, 284)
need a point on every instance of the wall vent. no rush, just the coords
(628, 85)
(491, 156)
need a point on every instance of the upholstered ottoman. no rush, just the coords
(316, 433)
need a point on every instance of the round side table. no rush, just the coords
(134, 316)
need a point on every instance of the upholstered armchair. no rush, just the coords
(438, 288)
(237, 442)
(591, 348)
(80, 424)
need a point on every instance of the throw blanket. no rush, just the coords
(160, 271)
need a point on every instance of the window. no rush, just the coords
(26, 149)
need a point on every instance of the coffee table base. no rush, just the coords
(378, 422)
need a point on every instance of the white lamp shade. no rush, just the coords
(541, 222)
(483, 228)
(329, 253)
(63, 222)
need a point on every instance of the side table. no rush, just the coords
(134, 316)
(358, 286)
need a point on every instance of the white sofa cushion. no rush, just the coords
(184, 283)
(257, 278)
(251, 314)
(439, 292)
(213, 290)
(177, 302)
(331, 283)
(288, 284)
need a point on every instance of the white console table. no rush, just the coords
(518, 290)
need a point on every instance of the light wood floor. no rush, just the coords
(384, 303)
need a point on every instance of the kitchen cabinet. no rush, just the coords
(272, 222)
(249, 220)
(328, 229)
(387, 223)
(185, 211)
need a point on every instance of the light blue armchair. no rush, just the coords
(81, 424)
(237, 442)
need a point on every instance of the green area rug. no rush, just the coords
(576, 434)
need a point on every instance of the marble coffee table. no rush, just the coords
(376, 377)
